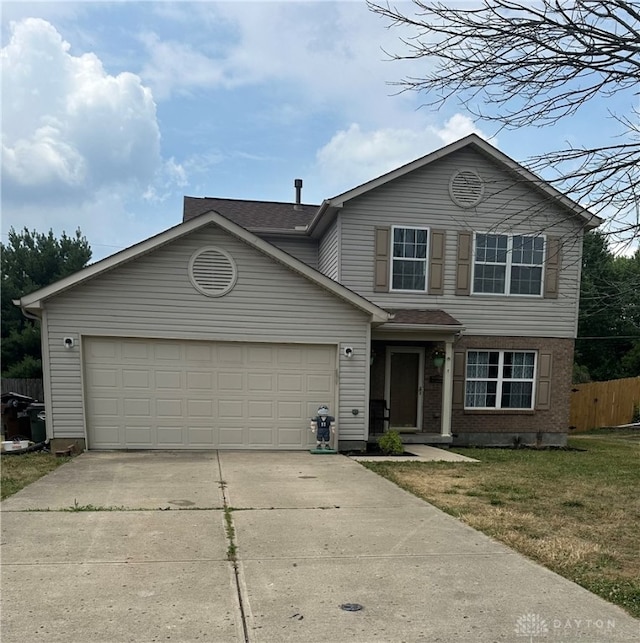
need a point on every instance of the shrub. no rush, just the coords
(390, 443)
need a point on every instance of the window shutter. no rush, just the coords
(552, 268)
(381, 252)
(458, 379)
(436, 262)
(543, 392)
(463, 274)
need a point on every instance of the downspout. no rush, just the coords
(25, 312)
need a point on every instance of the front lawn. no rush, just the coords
(18, 471)
(576, 512)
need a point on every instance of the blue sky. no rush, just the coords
(113, 111)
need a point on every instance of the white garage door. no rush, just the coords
(156, 394)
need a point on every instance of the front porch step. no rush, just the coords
(418, 438)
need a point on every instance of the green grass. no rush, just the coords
(576, 512)
(18, 471)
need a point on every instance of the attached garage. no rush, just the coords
(203, 337)
(171, 394)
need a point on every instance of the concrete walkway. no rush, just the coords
(144, 556)
(421, 453)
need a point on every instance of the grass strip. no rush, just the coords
(18, 471)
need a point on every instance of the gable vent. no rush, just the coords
(212, 271)
(466, 188)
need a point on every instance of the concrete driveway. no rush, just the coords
(135, 547)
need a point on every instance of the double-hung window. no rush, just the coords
(508, 264)
(409, 259)
(499, 379)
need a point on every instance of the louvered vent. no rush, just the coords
(212, 271)
(466, 188)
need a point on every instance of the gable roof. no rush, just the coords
(34, 300)
(330, 206)
(253, 215)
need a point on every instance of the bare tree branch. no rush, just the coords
(520, 63)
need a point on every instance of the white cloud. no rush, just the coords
(321, 56)
(171, 175)
(69, 129)
(354, 155)
(174, 67)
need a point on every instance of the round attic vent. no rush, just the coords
(212, 271)
(466, 188)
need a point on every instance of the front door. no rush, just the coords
(403, 387)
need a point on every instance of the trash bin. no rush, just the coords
(38, 426)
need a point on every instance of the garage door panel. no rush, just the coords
(259, 355)
(103, 349)
(200, 408)
(231, 409)
(108, 407)
(202, 380)
(170, 436)
(320, 384)
(261, 437)
(290, 382)
(260, 410)
(232, 437)
(198, 352)
(182, 394)
(290, 356)
(104, 378)
(290, 411)
(230, 381)
(260, 382)
(167, 351)
(169, 380)
(139, 436)
(134, 407)
(202, 437)
(230, 354)
(320, 357)
(108, 435)
(132, 351)
(169, 409)
(136, 378)
(290, 437)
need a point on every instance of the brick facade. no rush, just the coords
(541, 426)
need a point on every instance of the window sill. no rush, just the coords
(499, 411)
(499, 295)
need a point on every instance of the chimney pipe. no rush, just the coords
(297, 183)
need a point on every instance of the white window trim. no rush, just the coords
(508, 266)
(392, 258)
(500, 379)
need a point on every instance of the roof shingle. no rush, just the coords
(252, 214)
(426, 317)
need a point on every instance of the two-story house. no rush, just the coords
(439, 299)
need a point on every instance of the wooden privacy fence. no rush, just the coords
(598, 404)
(32, 388)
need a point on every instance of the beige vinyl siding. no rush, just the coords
(509, 206)
(152, 297)
(328, 256)
(304, 249)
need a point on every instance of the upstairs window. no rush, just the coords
(499, 379)
(409, 259)
(508, 264)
